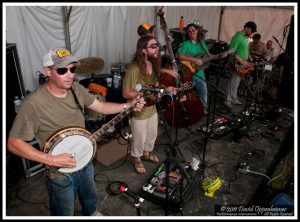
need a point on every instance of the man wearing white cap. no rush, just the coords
(44, 112)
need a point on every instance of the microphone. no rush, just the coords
(124, 189)
(139, 88)
(275, 39)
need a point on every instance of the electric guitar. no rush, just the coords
(242, 70)
(206, 60)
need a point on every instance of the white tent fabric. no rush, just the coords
(110, 32)
(270, 22)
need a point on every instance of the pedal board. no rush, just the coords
(222, 126)
(218, 128)
(178, 185)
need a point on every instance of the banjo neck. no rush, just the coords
(96, 135)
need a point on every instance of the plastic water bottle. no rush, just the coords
(117, 81)
(17, 103)
(181, 23)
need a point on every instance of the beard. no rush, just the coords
(155, 61)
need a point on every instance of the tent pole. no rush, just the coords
(221, 13)
(66, 19)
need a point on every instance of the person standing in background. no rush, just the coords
(240, 43)
(257, 48)
(271, 54)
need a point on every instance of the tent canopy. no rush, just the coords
(110, 31)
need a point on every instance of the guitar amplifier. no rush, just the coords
(178, 38)
(219, 47)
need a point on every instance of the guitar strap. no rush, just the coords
(206, 52)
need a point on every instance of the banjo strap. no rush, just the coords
(76, 100)
(87, 124)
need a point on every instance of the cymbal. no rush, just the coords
(89, 65)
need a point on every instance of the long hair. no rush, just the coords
(139, 56)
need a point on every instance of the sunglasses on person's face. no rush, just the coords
(62, 71)
(153, 46)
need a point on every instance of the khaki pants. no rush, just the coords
(144, 134)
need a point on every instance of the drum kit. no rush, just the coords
(97, 84)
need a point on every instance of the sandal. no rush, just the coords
(151, 157)
(139, 167)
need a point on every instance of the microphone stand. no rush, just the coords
(287, 55)
(137, 200)
(216, 89)
(171, 157)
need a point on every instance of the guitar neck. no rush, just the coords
(96, 135)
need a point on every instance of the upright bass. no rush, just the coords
(187, 106)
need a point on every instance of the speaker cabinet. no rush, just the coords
(14, 83)
(14, 87)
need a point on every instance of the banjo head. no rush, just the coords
(73, 140)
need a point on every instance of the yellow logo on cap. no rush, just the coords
(146, 26)
(62, 53)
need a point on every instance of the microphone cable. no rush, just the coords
(113, 188)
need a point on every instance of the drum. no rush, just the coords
(91, 115)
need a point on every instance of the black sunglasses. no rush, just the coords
(153, 46)
(62, 71)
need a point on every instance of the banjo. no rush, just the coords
(80, 142)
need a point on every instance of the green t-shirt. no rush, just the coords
(240, 44)
(41, 113)
(191, 49)
(134, 76)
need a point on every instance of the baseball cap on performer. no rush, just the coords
(59, 57)
(145, 28)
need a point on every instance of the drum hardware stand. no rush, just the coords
(171, 156)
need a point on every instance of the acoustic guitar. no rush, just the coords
(206, 60)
